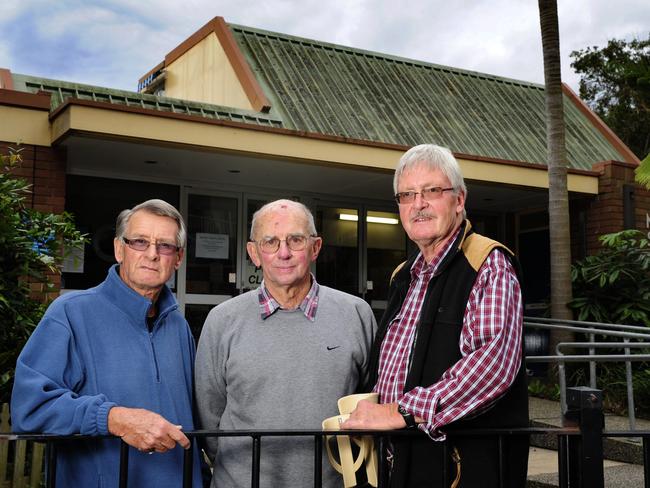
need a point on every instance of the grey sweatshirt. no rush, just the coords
(284, 372)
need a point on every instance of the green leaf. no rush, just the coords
(642, 172)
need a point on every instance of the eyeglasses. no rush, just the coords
(162, 248)
(295, 242)
(428, 194)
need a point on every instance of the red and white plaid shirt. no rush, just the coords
(490, 345)
(269, 305)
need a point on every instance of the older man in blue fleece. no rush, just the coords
(116, 359)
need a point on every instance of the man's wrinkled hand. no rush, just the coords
(145, 430)
(373, 416)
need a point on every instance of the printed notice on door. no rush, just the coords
(211, 246)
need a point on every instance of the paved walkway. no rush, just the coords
(548, 412)
(542, 463)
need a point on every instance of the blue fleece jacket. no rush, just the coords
(92, 351)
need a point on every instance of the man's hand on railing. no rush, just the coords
(373, 416)
(146, 431)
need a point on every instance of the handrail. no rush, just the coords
(583, 330)
(35, 437)
(580, 442)
(579, 358)
(52, 439)
(592, 329)
(584, 323)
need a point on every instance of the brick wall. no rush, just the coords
(44, 168)
(605, 213)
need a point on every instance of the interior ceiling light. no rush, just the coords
(370, 219)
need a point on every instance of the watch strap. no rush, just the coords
(408, 418)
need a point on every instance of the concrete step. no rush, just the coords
(543, 472)
(546, 413)
(622, 449)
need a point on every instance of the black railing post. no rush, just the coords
(502, 464)
(124, 464)
(382, 463)
(318, 461)
(188, 465)
(445, 464)
(50, 466)
(585, 408)
(255, 475)
(563, 460)
(646, 462)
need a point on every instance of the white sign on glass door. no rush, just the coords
(212, 246)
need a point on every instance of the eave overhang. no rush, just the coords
(102, 120)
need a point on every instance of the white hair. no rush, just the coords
(156, 207)
(433, 157)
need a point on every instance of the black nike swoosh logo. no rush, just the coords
(331, 348)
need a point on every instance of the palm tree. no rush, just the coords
(558, 197)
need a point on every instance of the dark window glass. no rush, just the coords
(338, 263)
(96, 203)
(195, 316)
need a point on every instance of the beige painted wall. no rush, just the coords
(26, 126)
(204, 74)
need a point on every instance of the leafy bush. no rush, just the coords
(613, 286)
(32, 246)
(612, 380)
(543, 389)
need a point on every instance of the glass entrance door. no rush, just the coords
(209, 272)
(359, 259)
(385, 249)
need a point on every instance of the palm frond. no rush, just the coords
(642, 173)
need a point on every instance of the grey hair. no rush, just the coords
(156, 207)
(283, 203)
(432, 157)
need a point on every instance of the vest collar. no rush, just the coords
(403, 276)
(465, 230)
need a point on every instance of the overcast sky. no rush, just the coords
(113, 42)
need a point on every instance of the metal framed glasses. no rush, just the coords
(428, 194)
(162, 248)
(295, 242)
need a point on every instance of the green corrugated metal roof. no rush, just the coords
(336, 90)
(62, 90)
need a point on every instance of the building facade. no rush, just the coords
(235, 117)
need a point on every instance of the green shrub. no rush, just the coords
(613, 286)
(32, 244)
(543, 389)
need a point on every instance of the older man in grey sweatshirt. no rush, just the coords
(279, 357)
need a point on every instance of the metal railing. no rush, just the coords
(580, 451)
(591, 330)
(381, 439)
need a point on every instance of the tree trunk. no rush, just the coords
(558, 198)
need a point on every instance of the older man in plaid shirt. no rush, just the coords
(448, 353)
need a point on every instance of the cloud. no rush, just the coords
(113, 42)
